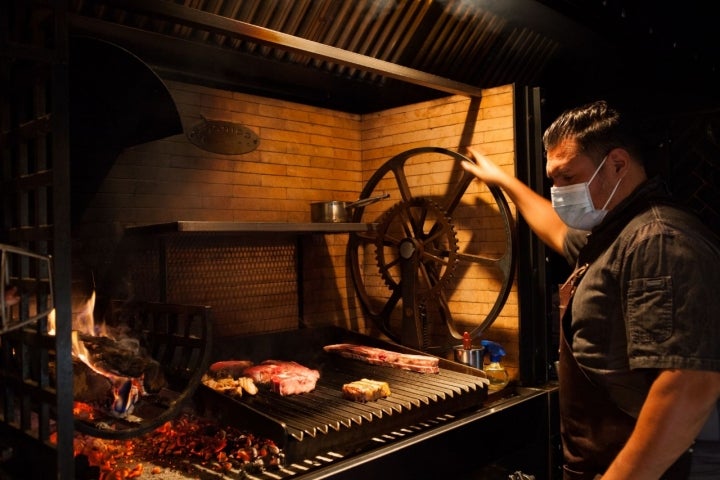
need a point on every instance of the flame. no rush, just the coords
(84, 321)
(80, 352)
(126, 391)
(51, 322)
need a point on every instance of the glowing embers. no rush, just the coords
(187, 446)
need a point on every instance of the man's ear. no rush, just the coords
(619, 160)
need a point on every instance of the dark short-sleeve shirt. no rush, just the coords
(650, 301)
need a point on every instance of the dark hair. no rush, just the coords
(596, 127)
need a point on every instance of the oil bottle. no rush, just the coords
(495, 371)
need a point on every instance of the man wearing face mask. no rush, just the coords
(640, 331)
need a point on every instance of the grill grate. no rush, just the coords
(310, 424)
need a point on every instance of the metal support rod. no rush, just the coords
(412, 328)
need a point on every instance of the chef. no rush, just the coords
(640, 334)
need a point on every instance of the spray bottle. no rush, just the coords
(495, 372)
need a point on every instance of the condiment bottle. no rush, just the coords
(466, 341)
(495, 371)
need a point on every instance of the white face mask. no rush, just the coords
(574, 204)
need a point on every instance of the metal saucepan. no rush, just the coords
(336, 211)
(470, 356)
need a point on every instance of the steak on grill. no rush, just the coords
(228, 368)
(284, 377)
(388, 358)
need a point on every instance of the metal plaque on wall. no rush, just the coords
(219, 136)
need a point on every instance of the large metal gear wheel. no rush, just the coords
(405, 270)
(433, 237)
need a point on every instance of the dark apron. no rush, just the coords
(593, 428)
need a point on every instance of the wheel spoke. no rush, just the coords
(389, 241)
(408, 222)
(430, 278)
(393, 263)
(402, 182)
(436, 232)
(416, 221)
(501, 263)
(438, 259)
(454, 196)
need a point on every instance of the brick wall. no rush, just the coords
(305, 154)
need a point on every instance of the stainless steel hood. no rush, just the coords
(367, 55)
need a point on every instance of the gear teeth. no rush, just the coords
(384, 225)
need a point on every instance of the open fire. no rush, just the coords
(93, 350)
(113, 372)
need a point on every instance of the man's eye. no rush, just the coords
(561, 180)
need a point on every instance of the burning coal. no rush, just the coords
(187, 445)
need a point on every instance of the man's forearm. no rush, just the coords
(537, 212)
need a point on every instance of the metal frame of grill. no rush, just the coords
(35, 194)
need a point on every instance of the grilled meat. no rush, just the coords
(284, 377)
(228, 368)
(387, 358)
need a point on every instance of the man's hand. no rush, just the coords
(485, 170)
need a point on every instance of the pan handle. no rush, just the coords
(366, 201)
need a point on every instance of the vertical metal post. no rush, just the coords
(62, 245)
(532, 291)
(36, 365)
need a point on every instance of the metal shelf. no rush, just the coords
(250, 227)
